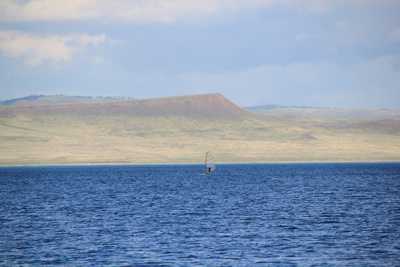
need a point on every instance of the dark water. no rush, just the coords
(243, 215)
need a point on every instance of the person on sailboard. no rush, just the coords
(210, 167)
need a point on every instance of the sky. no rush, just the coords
(336, 53)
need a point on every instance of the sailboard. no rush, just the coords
(208, 164)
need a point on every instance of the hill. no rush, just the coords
(57, 100)
(339, 119)
(181, 129)
(202, 106)
(323, 113)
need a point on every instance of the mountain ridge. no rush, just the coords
(181, 129)
(41, 99)
(59, 99)
(203, 105)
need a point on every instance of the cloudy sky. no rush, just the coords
(343, 53)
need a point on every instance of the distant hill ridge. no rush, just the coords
(61, 129)
(57, 100)
(205, 106)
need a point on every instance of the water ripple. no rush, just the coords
(243, 215)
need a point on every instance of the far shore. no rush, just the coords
(188, 163)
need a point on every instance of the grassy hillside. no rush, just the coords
(181, 130)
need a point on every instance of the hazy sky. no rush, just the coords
(342, 53)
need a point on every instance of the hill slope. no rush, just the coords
(57, 100)
(181, 129)
(200, 106)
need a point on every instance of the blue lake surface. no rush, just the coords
(242, 215)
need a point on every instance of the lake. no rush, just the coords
(174, 215)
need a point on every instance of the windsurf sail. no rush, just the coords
(209, 165)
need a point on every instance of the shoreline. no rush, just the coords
(94, 164)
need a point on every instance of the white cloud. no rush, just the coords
(152, 10)
(124, 10)
(38, 49)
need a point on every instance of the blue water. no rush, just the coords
(242, 215)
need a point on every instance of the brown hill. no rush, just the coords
(212, 106)
(181, 129)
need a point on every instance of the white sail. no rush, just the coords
(209, 165)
